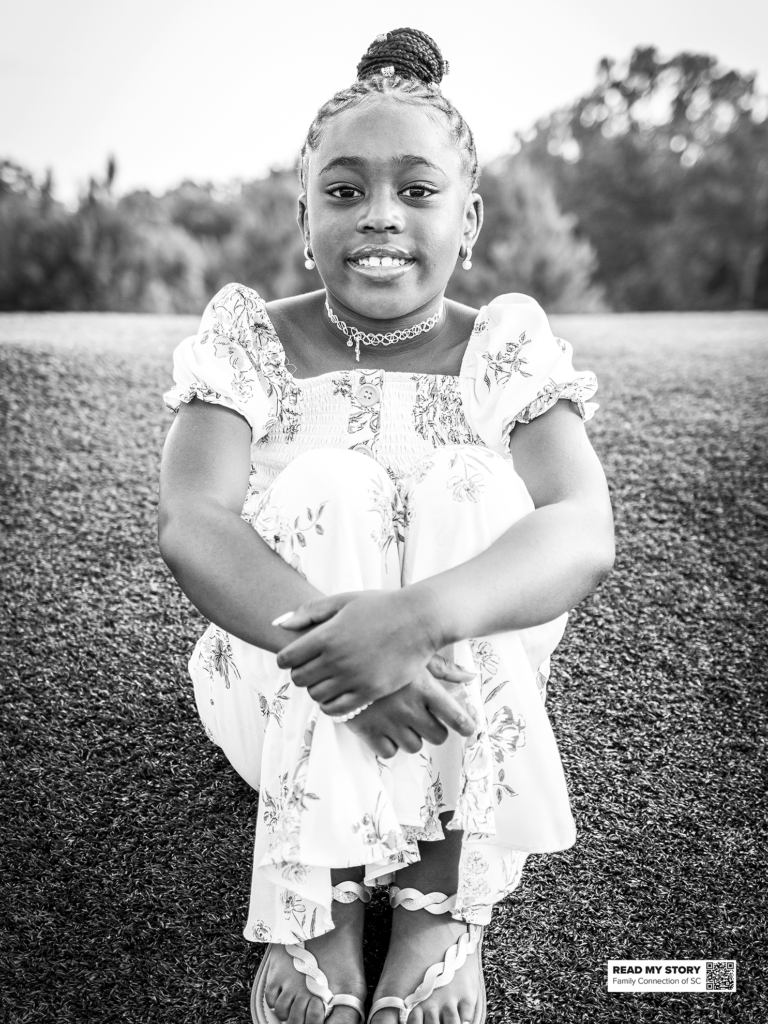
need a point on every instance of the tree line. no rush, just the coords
(650, 192)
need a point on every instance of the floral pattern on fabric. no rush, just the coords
(274, 710)
(439, 456)
(282, 811)
(551, 393)
(394, 515)
(467, 483)
(364, 416)
(242, 333)
(438, 414)
(508, 361)
(506, 728)
(217, 656)
(286, 535)
(515, 369)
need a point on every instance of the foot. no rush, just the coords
(420, 939)
(339, 955)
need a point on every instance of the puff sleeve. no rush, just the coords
(515, 369)
(223, 362)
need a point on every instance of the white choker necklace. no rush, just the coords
(355, 336)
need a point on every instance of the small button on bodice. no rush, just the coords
(367, 394)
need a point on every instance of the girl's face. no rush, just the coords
(387, 208)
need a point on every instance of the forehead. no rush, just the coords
(383, 129)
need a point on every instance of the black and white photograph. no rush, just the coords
(309, 710)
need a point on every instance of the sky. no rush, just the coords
(215, 90)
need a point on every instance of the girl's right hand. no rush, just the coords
(422, 710)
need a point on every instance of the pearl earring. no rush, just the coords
(309, 263)
(467, 264)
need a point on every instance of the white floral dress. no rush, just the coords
(367, 479)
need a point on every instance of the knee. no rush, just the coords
(334, 471)
(468, 473)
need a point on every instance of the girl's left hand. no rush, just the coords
(363, 645)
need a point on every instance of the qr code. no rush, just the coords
(721, 975)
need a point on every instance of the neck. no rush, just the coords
(375, 325)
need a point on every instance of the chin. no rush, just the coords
(383, 300)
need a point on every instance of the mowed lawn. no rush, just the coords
(127, 838)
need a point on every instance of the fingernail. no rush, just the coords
(282, 618)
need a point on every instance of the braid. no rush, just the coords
(408, 65)
(413, 54)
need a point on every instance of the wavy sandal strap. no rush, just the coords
(348, 892)
(412, 899)
(437, 975)
(317, 983)
(442, 974)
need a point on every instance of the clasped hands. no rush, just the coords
(381, 647)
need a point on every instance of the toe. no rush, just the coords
(449, 1015)
(315, 1012)
(346, 1015)
(284, 1004)
(272, 990)
(298, 1010)
(389, 1016)
(466, 1011)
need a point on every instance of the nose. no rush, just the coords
(381, 214)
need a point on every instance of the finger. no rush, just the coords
(319, 609)
(443, 668)
(306, 648)
(383, 746)
(329, 690)
(449, 711)
(342, 704)
(428, 727)
(408, 739)
(311, 672)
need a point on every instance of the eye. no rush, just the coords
(344, 192)
(418, 191)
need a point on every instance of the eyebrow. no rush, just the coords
(405, 160)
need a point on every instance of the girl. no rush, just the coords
(386, 503)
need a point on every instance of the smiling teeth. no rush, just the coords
(380, 261)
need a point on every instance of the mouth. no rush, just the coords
(379, 257)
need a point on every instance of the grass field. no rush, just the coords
(126, 851)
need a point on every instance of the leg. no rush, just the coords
(329, 515)
(421, 938)
(283, 995)
(458, 501)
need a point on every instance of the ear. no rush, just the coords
(303, 218)
(473, 219)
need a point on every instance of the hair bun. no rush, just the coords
(408, 52)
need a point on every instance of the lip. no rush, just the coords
(381, 275)
(379, 250)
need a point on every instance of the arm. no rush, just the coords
(549, 560)
(223, 566)
(541, 567)
(237, 581)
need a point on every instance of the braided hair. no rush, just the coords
(406, 64)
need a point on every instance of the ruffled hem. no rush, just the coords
(178, 396)
(577, 391)
(514, 369)
(326, 801)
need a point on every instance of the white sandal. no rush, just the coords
(440, 974)
(305, 963)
